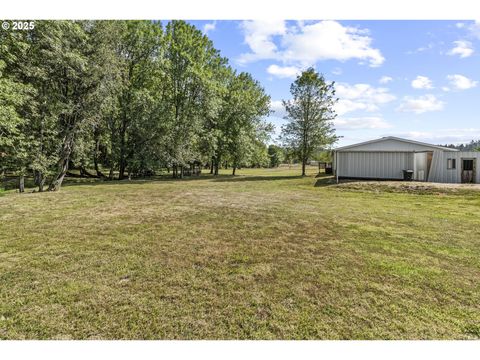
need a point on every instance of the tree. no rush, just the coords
(17, 106)
(63, 66)
(13, 143)
(309, 114)
(276, 155)
(241, 120)
(124, 95)
(191, 63)
(139, 51)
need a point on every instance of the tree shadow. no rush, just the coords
(325, 180)
(137, 181)
(242, 178)
(169, 179)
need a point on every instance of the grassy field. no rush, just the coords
(263, 255)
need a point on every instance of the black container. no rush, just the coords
(407, 175)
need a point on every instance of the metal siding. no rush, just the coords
(381, 165)
(440, 173)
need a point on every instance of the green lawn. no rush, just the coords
(263, 255)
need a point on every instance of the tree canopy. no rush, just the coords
(309, 116)
(124, 98)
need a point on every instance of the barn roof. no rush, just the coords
(389, 138)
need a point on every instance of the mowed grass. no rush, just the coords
(263, 255)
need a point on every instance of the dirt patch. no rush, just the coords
(416, 187)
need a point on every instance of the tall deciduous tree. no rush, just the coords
(276, 155)
(13, 142)
(191, 63)
(240, 120)
(139, 51)
(123, 95)
(309, 114)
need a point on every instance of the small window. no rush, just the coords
(451, 164)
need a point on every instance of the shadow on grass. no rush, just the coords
(325, 180)
(137, 181)
(241, 178)
(166, 178)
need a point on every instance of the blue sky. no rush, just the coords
(414, 79)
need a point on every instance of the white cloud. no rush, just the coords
(344, 106)
(460, 82)
(209, 27)
(445, 88)
(337, 71)
(278, 109)
(283, 71)
(462, 48)
(259, 37)
(385, 79)
(356, 123)
(421, 104)
(460, 25)
(422, 82)
(326, 40)
(356, 97)
(474, 29)
(364, 91)
(429, 46)
(360, 97)
(444, 136)
(306, 43)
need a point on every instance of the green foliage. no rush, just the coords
(309, 114)
(126, 96)
(13, 96)
(240, 127)
(276, 155)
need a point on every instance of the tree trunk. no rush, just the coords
(21, 184)
(85, 173)
(95, 154)
(62, 164)
(303, 167)
(217, 164)
(211, 165)
(41, 181)
(234, 169)
(95, 160)
(123, 152)
(57, 181)
(121, 169)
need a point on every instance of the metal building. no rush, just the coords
(389, 158)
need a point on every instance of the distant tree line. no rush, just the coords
(473, 145)
(117, 99)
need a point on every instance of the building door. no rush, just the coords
(468, 170)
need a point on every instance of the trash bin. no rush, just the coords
(328, 168)
(407, 175)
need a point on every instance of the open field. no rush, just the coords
(263, 255)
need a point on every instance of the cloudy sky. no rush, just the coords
(414, 79)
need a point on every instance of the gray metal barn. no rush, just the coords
(388, 157)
